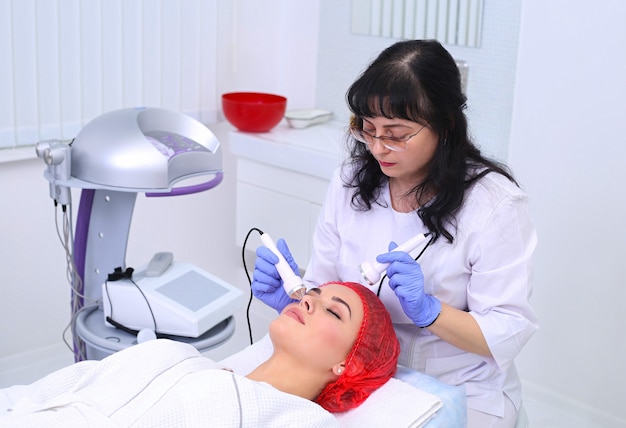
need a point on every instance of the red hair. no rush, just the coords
(372, 361)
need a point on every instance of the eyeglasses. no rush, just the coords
(396, 144)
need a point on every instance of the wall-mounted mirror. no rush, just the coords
(452, 22)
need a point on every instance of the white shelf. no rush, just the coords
(17, 154)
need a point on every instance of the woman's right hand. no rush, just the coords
(267, 285)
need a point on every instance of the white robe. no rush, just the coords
(159, 383)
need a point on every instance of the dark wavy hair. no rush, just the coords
(418, 80)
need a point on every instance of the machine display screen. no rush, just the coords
(192, 290)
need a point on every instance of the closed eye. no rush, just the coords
(335, 314)
(394, 139)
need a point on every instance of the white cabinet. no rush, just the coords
(282, 178)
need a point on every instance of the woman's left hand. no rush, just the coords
(407, 281)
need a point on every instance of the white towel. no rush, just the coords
(396, 404)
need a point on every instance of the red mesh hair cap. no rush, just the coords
(372, 361)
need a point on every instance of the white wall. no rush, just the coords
(34, 302)
(568, 148)
(343, 56)
(270, 46)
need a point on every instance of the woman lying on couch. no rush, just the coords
(331, 351)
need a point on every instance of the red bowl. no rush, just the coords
(253, 111)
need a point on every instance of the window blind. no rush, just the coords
(452, 22)
(64, 62)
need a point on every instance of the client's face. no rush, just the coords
(321, 329)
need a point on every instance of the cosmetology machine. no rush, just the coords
(114, 157)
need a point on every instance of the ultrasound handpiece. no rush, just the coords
(292, 283)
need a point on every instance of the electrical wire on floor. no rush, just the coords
(245, 268)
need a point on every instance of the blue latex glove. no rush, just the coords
(267, 285)
(407, 281)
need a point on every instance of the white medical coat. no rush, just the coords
(485, 271)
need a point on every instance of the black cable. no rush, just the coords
(245, 268)
(380, 284)
(122, 326)
(106, 289)
(115, 276)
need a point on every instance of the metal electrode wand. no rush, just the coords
(292, 283)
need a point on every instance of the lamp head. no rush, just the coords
(146, 149)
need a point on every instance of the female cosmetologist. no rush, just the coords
(461, 311)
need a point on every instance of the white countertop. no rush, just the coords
(316, 150)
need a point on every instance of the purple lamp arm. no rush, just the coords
(196, 188)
